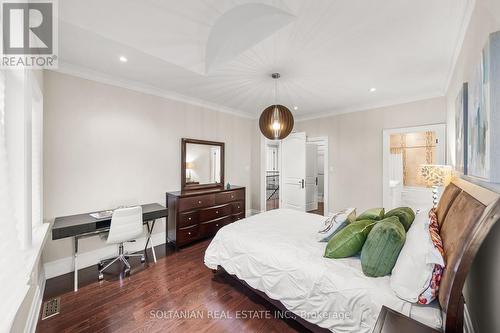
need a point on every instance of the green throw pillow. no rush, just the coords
(382, 247)
(406, 216)
(372, 214)
(349, 241)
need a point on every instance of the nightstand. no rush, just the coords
(390, 321)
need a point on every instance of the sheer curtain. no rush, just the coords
(36, 153)
(13, 276)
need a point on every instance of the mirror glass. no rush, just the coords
(202, 164)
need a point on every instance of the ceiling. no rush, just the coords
(220, 53)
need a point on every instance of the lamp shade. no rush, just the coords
(276, 122)
(436, 175)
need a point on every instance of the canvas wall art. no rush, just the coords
(483, 126)
(461, 130)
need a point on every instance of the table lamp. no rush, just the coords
(436, 176)
(189, 167)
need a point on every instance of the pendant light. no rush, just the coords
(276, 121)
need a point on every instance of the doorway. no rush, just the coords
(272, 180)
(405, 150)
(295, 174)
(318, 161)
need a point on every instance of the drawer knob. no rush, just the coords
(199, 201)
(190, 218)
(189, 233)
(216, 212)
(232, 196)
(238, 206)
(216, 225)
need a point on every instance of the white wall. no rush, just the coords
(482, 293)
(355, 148)
(106, 146)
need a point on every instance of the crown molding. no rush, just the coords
(464, 26)
(92, 75)
(369, 107)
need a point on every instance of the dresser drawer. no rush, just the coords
(229, 196)
(216, 212)
(208, 229)
(188, 234)
(238, 207)
(191, 203)
(188, 218)
(238, 217)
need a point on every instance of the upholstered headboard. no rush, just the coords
(466, 213)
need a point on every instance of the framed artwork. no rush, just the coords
(461, 119)
(483, 127)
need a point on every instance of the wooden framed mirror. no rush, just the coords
(202, 164)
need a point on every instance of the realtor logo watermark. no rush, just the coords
(29, 34)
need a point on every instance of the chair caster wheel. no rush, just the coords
(143, 260)
(100, 277)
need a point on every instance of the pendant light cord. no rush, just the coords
(276, 89)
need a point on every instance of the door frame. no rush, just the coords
(263, 166)
(439, 128)
(323, 141)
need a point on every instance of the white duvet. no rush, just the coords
(277, 252)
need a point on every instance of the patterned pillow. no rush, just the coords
(336, 222)
(431, 292)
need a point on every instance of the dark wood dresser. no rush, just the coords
(198, 214)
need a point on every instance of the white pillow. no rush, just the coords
(334, 222)
(413, 270)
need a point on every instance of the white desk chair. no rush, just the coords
(126, 226)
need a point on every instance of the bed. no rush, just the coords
(277, 255)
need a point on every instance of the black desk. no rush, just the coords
(84, 225)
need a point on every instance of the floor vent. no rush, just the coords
(51, 308)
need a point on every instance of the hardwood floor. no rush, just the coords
(147, 300)
(320, 210)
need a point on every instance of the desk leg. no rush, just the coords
(149, 240)
(76, 264)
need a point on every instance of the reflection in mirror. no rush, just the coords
(202, 164)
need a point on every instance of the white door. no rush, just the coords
(311, 177)
(293, 170)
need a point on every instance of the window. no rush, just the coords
(22, 125)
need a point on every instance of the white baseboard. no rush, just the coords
(468, 326)
(36, 305)
(86, 259)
